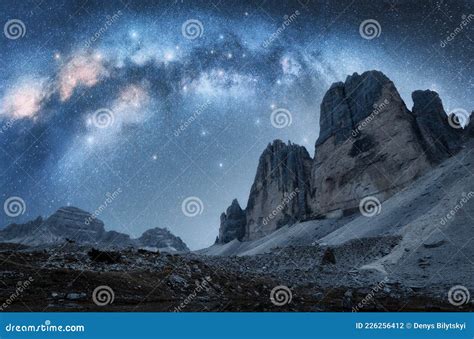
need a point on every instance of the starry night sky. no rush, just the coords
(98, 97)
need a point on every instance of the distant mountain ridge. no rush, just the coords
(370, 144)
(71, 224)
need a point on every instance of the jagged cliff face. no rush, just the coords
(280, 193)
(368, 145)
(438, 139)
(233, 223)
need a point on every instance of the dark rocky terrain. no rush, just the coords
(63, 279)
(304, 231)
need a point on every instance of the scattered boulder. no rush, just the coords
(328, 257)
(108, 257)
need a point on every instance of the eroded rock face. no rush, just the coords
(75, 224)
(370, 144)
(233, 223)
(369, 147)
(280, 193)
(438, 139)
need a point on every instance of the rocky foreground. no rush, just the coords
(64, 279)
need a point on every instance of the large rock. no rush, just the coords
(280, 193)
(233, 223)
(438, 139)
(368, 146)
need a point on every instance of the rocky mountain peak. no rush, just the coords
(364, 125)
(161, 238)
(233, 223)
(345, 104)
(281, 189)
(76, 225)
(438, 139)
